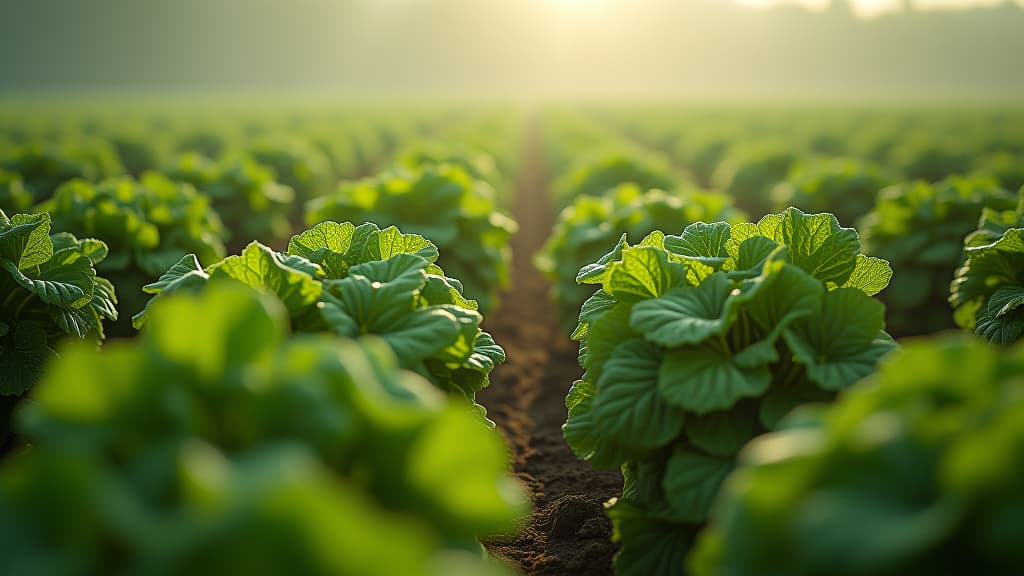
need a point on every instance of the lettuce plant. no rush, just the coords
(749, 173)
(43, 167)
(915, 471)
(920, 228)
(845, 186)
(699, 342)
(246, 195)
(445, 205)
(149, 224)
(49, 291)
(217, 444)
(350, 281)
(596, 176)
(586, 228)
(988, 291)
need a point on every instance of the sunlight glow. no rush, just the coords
(577, 5)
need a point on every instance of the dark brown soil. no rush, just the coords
(568, 532)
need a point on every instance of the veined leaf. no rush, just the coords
(685, 315)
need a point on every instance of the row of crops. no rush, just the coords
(249, 339)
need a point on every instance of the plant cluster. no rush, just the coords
(587, 227)
(915, 471)
(988, 291)
(445, 205)
(598, 175)
(355, 280)
(846, 187)
(217, 444)
(920, 229)
(699, 342)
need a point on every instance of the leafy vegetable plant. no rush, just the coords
(216, 444)
(149, 224)
(354, 280)
(920, 228)
(585, 229)
(988, 291)
(915, 471)
(699, 342)
(445, 205)
(245, 194)
(596, 176)
(845, 186)
(49, 291)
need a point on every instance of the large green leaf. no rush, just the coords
(606, 333)
(260, 267)
(326, 244)
(706, 378)
(685, 315)
(26, 240)
(66, 281)
(692, 481)
(642, 273)
(629, 407)
(420, 334)
(390, 242)
(723, 433)
(841, 344)
(819, 245)
(783, 294)
(870, 275)
(702, 242)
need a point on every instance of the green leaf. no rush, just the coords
(723, 433)
(26, 241)
(597, 272)
(692, 481)
(783, 294)
(606, 333)
(685, 315)
(420, 334)
(390, 242)
(326, 244)
(819, 246)
(629, 406)
(706, 378)
(66, 281)
(23, 356)
(1001, 319)
(188, 264)
(642, 273)
(840, 345)
(4, 328)
(594, 306)
(702, 242)
(260, 267)
(870, 275)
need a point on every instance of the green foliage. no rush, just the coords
(445, 205)
(697, 343)
(149, 224)
(920, 229)
(49, 291)
(42, 167)
(915, 471)
(586, 228)
(351, 281)
(246, 195)
(988, 291)
(844, 186)
(14, 197)
(749, 173)
(602, 173)
(216, 444)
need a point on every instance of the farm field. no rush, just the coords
(126, 229)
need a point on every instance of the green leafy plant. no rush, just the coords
(699, 342)
(598, 175)
(217, 444)
(43, 166)
(49, 291)
(149, 225)
(586, 228)
(920, 228)
(14, 197)
(914, 471)
(349, 280)
(445, 205)
(246, 195)
(988, 291)
(749, 173)
(845, 186)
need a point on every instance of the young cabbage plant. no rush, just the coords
(216, 443)
(916, 470)
(988, 291)
(354, 280)
(697, 343)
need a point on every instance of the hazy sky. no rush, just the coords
(513, 49)
(872, 8)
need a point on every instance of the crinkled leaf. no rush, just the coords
(819, 245)
(26, 240)
(705, 378)
(642, 273)
(65, 282)
(594, 306)
(870, 275)
(390, 242)
(702, 242)
(260, 267)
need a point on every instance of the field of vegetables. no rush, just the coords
(270, 339)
